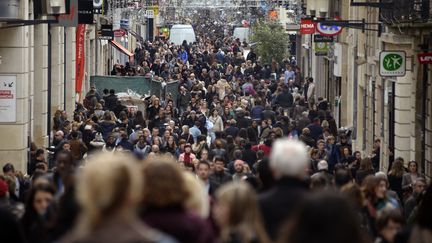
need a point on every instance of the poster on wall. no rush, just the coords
(8, 98)
(80, 58)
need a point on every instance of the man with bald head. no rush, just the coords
(58, 142)
(239, 170)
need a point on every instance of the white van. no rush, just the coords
(181, 32)
(242, 33)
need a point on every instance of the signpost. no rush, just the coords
(85, 12)
(320, 38)
(392, 63)
(425, 58)
(119, 33)
(149, 14)
(321, 48)
(326, 30)
(98, 6)
(307, 26)
(106, 32)
(124, 24)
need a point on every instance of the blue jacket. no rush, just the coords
(183, 55)
(220, 56)
(333, 156)
(107, 128)
(315, 131)
(126, 145)
(256, 112)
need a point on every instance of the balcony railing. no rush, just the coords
(406, 11)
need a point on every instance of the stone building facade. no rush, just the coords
(396, 110)
(24, 54)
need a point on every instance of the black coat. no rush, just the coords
(250, 157)
(280, 202)
(362, 174)
(111, 101)
(10, 231)
(285, 99)
(308, 140)
(220, 178)
(232, 130)
(269, 114)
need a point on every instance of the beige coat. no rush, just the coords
(222, 85)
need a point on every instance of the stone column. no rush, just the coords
(40, 111)
(57, 71)
(70, 69)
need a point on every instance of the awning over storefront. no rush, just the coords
(121, 48)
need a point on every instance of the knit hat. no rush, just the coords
(4, 188)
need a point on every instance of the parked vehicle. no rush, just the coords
(181, 32)
(242, 33)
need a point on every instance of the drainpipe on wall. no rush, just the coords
(49, 86)
(425, 48)
(355, 94)
(64, 68)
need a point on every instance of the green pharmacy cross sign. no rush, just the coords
(392, 63)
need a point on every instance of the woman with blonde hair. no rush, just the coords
(198, 200)
(236, 212)
(99, 112)
(164, 203)
(109, 191)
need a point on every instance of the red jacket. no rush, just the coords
(266, 149)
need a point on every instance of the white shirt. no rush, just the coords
(17, 187)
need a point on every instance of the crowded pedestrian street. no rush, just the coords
(215, 121)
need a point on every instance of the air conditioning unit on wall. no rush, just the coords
(9, 9)
(55, 6)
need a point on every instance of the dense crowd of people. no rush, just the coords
(245, 153)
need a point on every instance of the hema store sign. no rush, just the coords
(307, 26)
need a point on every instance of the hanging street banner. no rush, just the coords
(8, 98)
(307, 27)
(392, 63)
(321, 48)
(80, 58)
(320, 38)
